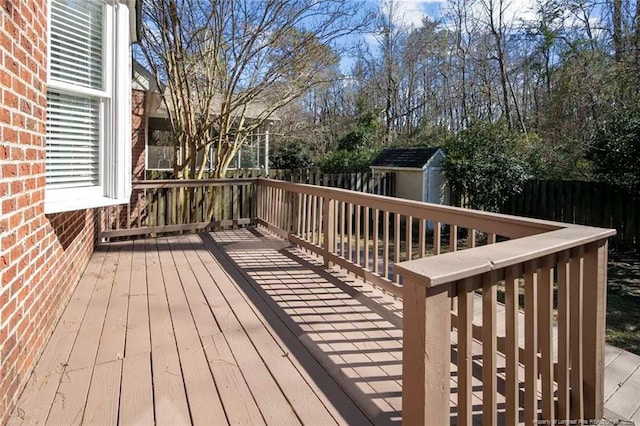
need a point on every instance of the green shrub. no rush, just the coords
(485, 165)
(615, 151)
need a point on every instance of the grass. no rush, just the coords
(623, 300)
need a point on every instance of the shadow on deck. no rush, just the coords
(233, 326)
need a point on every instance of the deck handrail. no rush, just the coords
(450, 267)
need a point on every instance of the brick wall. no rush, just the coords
(41, 256)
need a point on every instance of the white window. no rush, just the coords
(88, 129)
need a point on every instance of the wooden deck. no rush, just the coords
(233, 327)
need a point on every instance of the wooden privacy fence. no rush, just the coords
(370, 183)
(379, 183)
(439, 282)
(585, 203)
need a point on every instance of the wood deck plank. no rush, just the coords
(274, 407)
(114, 330)
(104, 394)
(239, 403)
(136, 393)
(625, 401)
(170, 400)
(36, 400)
(300, 395)
(71, 396)
(136, 402)
(204, 402)
(618, 372)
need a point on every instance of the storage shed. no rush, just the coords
(418, 173)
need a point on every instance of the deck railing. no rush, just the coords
(164, 206)
(450, 266)
(439, 283)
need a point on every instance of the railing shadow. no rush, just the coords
(347, 331)
(351, 329)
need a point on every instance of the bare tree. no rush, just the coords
(229, 65)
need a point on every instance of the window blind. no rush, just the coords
(76, 42)
(73, 140)
(74, 117)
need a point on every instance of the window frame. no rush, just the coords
(114, 162)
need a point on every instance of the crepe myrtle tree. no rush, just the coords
(227, 66)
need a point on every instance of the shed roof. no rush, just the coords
(404, 157)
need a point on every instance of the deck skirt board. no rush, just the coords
(240, 327)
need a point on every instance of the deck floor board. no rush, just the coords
(239, 327)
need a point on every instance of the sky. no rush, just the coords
(411, 12)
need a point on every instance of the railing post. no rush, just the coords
(426, 354)
(329, 228)
(595, 303)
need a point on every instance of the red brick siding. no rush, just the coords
(41, 256)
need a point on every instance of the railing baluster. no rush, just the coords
(282, 209)
(563, 337)
(127, 224)
(357, 237)
(140, 207)
(545, 324)
(385, 244)
(576, 288)
(300, 220)
(465, 349)
(367, 224)
(396, 243)
(409, 238)
(342, 207)
(329, 228)
(471, 237)
(350, 231)
(320, 209)
(489, 349)
(236, 204)
(512, 349)
(453, 237)
(421, 239)
(314, 219)
(307, 236)
(531, 343)
(376, 229)
(437, 238)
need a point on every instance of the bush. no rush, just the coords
(485, 165)
(615, 151)
(345, 161)
(294, 155)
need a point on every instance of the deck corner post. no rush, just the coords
(426, 354)
(595, 304)
(329, 228)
